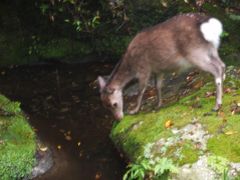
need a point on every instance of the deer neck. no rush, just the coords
(121, 75)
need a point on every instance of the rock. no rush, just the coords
(44, 163)
(195, 133)
(196, 171)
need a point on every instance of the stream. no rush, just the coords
(63, 105)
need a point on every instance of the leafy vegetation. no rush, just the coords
(37, 31)
(148, 166)
(158, 169)
(17, 142)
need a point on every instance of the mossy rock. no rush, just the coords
(17, 142)
(186, 130)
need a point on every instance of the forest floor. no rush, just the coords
(185, 134)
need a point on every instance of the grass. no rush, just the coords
(133, 133)
(17, 142)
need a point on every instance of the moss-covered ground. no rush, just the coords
(135, 132)
(17, 142)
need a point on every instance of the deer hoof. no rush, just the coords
(217, 108)
(134, 111)
(160, 104)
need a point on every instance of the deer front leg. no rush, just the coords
(142, 87)
(159, 82)
(139, 101)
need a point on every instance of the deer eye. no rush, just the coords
(107, 106)
(115, 105)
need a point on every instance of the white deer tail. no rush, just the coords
(211, 30)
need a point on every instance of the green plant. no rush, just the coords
(33, 48)
(137, 171)
(163, 166)
(84, 16)
(225, 175)
(154, 168)
(219, 164)
(234, 17)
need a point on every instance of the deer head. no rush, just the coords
(111, 98)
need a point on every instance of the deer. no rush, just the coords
(175, 45)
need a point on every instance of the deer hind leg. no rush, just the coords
(143, 81)
(220, 66)
(159, 83)
(216, 59)
(214, 65)
(223, 66)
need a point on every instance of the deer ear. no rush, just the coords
(101, 82)
(110, 90)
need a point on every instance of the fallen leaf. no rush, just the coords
(230, 132)
(168, 124)
(80, 154)
(98, 175)
(227, 90)
(62, 130)
(68, 138)
(43, 149)
(151, 92)
(198, 145)
(198, 85)
(64, 109)
(209, 94)
(235, 108)
(221, 114)
(49, 97)
(207, 114)
(197, 105)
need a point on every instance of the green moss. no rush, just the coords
(63, 48)
(113, 45)
(17, 142)
(226, 146)
(133, 133)
(13, 49)
(218, 163)
(18, 50)
(189, 154)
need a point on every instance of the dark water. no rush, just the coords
(63, 104)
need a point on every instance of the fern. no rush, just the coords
(164, 165)
(144, 167)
